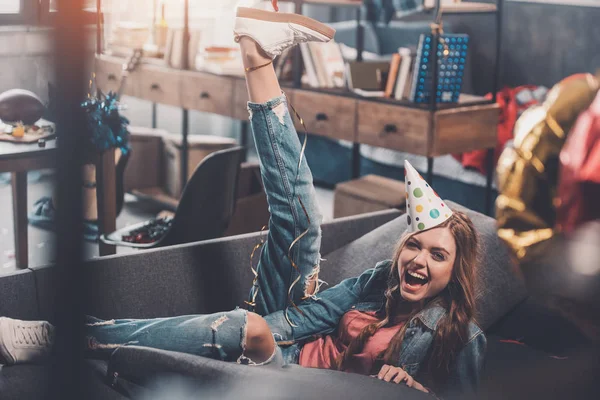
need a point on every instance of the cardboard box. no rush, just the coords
(199, 146)
(367, 194)
(145, 166)
(251, 209)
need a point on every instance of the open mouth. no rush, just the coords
(415, 279)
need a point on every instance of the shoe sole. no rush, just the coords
(270, 16)
(4, 348)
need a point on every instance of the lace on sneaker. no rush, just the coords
(37, 335)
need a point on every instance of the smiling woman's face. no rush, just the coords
(425, 264)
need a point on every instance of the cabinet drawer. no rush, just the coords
(207, 92)
(464, 129)
(240, 100)
(326, 115)
(108, 76)
(158, 85)
(393, 127)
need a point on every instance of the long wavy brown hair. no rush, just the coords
(457, 298)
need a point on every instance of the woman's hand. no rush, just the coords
(275, 6)
(389, 373)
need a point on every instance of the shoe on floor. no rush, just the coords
(275, 31)
(25, 341)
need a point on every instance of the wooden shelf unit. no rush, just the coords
(335, 114)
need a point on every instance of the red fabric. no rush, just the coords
(322, 352)
(509, 110)
(579, 181)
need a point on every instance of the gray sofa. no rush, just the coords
(214, 275)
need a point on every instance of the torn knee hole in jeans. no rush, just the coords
(280, 110)
(93, 344)
(244, 360)
(311, 291)
(218, 322)
(102, 323)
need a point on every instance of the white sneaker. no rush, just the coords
(25, 341)
(275, 31)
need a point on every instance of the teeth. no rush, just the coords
(418, 276)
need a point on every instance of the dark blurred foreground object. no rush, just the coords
(579, 183)
(528, 173)
(19, 105)
(547, 208)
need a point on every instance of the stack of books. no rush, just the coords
(323, 65)
(410, 73)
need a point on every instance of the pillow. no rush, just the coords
(497, 288)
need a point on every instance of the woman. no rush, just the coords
(408, 317)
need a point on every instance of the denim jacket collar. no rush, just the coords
(430, 316)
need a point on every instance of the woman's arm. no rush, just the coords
(322, 315)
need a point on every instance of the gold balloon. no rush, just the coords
(528, 173)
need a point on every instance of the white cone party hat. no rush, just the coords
(424, 207)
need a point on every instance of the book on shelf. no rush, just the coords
(368, 78)
(323, 64)
(318, 59)
(309, 66)
(451, 51)
(392, 75)
(406, 60)
(334, 63)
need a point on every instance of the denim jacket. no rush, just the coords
(321, 316)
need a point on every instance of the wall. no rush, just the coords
(541, 43)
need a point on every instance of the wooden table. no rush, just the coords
(19, 158)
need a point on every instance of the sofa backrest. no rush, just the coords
(203, 277)
(497, 288)
(19, 295)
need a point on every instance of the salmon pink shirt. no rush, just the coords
(322, 352)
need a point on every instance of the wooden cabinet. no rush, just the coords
(207, 92)
(326, 115)
(108, 77)
(329, 114)
(459, 130)
(393, 127)
(156, 84)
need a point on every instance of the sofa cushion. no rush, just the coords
(24, 382)
(19, 299)
(498, 290)
(203, 277)
(162, 371)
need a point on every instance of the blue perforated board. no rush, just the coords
(452, 50)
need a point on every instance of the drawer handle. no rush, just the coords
(204, 95)
(388, 129)
(154, 86)
(112, 77)
(321, 117)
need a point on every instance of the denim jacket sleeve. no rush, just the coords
(469, 364)
(322, 315)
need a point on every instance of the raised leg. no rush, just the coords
(289, 261)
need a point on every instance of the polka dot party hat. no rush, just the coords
(424, 207)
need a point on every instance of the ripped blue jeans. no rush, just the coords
(288, 262)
